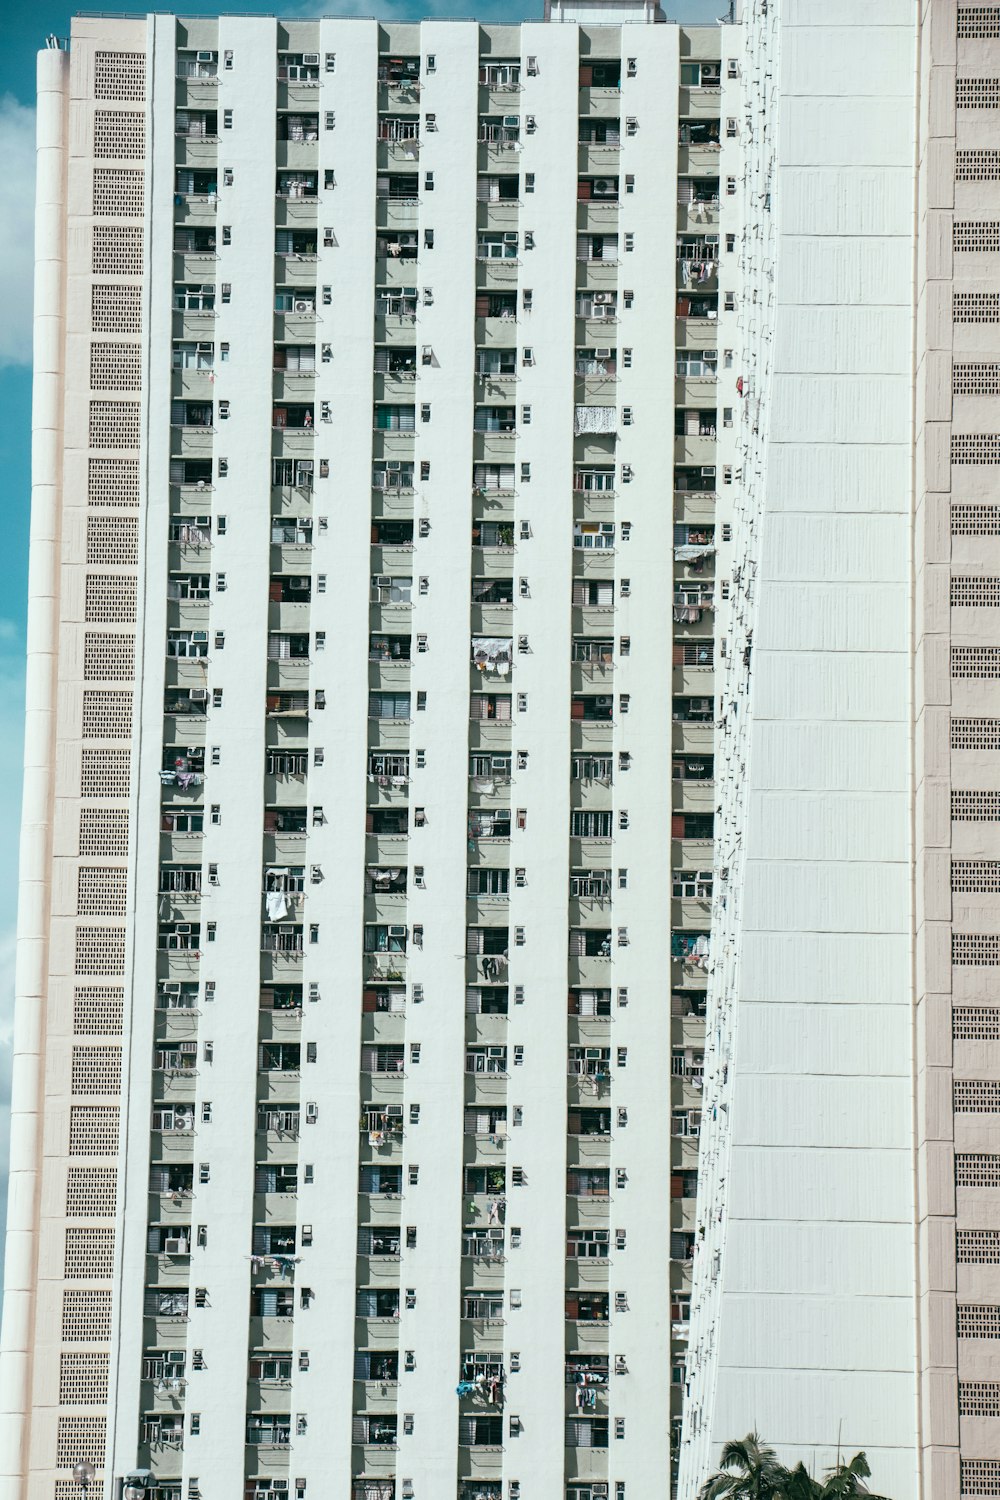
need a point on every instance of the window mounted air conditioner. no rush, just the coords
(603, 353)
(206, 57)
(310, 59)
(601, 310)
(511, 121)
(198, 695)
(175, 1356)
(182, 927)
(708, 472)
(382, 581)
(171, 987)
(397, 931)
(175, 1246)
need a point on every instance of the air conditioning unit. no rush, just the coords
(397, 931)
(182, 927)
(302, 305)
(175, 1357)
(708, 472)
(600, 298)
(382, 581)
(511, 121)
(601, 310)
(310, 59)
(206, 57)
(298, 584)
(198, 695)
(604, 353)
(604, 185)
(171, 987)
(603, 701)
(175, 1246)
(306, 523)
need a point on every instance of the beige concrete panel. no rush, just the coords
(940, 99)
(939, 173)
(941, 1342)
(937, 455)
(969, 984)
(935, 585)
(936, 742)
(937, 322)
(934, 1104)
(937, 1177)
(940, 1406)
(933, 812)
(937, 385)
(933, 663)
(937, 244)
(935, 1014)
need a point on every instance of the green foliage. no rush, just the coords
(750, 1471)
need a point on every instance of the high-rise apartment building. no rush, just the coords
(848, 1236)
(367, 862)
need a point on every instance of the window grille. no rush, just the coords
(980, 1476)
(976, 1321)
(100, 950)
(977, 166)
(975, 520)
(112, 541)
(83, 1379)
(978, 21)
(93, 1130)
(975, 307)
(119, 134)
(975, 734)
(978, 1247)
(104, 773)
(86, 1318)
(975, 448)
(80, 1438)
(100, 891)
(115, 367)
(106, 715)
(118, 193)
(110, 599)
(104, 832)
(120, 76)
(975, 1023)
(97, 1008)
(975, 874)
(975, 235)
(977, 1096)
(91, 1192)
(114, 424)
(975, 949)
(115, 309)
(977, 1169)
(113, 481)
(96, 1070)
(116, 250)
(975, 661)
(89, 1253)
(974, 806)
(975, 592)
(108, 658)
(977, 93)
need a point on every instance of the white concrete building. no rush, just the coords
(369, 573)
(848, 1234)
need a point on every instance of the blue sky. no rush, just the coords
(23, 28)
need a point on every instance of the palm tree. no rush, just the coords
(846, 1480)
(751, 1471)
(754, 1473)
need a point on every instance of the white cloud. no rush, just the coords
(17, 210)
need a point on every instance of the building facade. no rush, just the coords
(848, 1234)
(367, 858)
